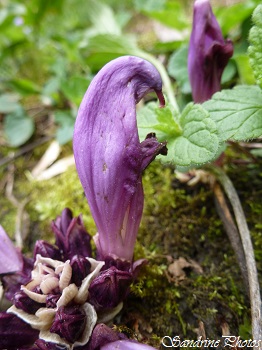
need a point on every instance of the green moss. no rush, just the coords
(178, 221)
(182, 221)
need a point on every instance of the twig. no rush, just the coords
(24, 150)
(22, 217)
(254, 291)
(231, 230)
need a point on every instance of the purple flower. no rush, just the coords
(11, 258)
(126, 345)
(109, 156)
(69, 323)
(109, 288)
(71, 236)
(208, 53)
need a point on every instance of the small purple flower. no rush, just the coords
(109, 288)
(208, 53)
(69, 323)
(71, 235)
(109, 156)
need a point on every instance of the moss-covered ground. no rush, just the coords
(179, 221)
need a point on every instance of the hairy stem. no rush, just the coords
(254, 291)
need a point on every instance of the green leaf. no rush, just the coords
(229, 72)
(177, 69)
(198, 143)
(244, 69)
(149, 5)
(237, 112)
(18, 127)
(255, 49)
(103, 18)
(9, 103)
(65, 131)
(170, 13)
(74, 88)
(151, 118)
(25, 86)
(104, 47)
(229, 17)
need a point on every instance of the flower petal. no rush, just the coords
(14, 332)
(10, 257)
(108, 153)
(208, 53)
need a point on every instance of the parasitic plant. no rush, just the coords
(109, 156)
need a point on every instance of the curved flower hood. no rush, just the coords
(108, 154)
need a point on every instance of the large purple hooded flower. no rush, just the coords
(208, 53)
(109, 156)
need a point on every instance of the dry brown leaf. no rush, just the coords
(176, 269)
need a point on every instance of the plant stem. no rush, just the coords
(231, 230)
(254, 291)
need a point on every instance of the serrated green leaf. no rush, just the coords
(255, 49)
(237, 112)
(18, 127)
(177, 69)
(151, 118)
(198, 143)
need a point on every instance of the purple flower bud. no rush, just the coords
(71, 235)
(69, 323)
(126, 345)
(102, 335)
(109, 157)
(47, 250)
(22, 301)
(10, 257)
(80, 269)
(15, 333)
(109, 288)
(208, 53)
